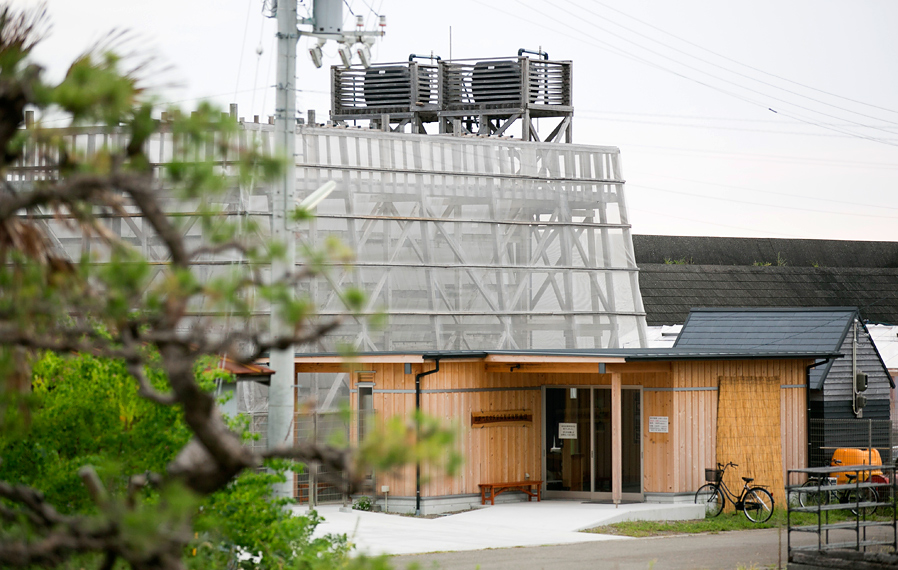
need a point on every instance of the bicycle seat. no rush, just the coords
(851, 477)
(748, 479)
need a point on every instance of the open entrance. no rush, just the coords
(577, 442)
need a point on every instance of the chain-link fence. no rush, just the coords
(825, 436)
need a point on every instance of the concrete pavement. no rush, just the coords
(501, 526)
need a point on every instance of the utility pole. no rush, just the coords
(327, 23)
(280, 393)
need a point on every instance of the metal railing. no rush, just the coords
(870, 500)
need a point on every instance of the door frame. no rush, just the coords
(593, 494)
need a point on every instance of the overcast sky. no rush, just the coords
(757, 119)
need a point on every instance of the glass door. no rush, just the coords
(567, 445)
(578, 442)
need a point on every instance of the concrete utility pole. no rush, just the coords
(327, 24)
(280, 393)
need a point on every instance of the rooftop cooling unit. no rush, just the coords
(496, 82)
(391, 86)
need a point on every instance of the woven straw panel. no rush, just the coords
(748, 433)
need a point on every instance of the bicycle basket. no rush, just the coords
(713, 475)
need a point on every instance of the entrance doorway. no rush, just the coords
(577, 442)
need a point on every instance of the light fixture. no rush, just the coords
(312, 200)
(345, 54)
(364, 55)
(360, 22)
(315, 52)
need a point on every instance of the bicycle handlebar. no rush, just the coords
(730, 464)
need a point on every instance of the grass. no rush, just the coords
(725, 522)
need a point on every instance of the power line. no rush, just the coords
(755, 91)
(706, 222)
(663, 31)
(722, 67)
(605, 45)
(765, 157)
(717, 127)
(698, 117)
(778, 206)
(778, 193)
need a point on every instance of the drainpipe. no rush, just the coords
(418, 428)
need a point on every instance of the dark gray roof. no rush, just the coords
(770, 329)
(749, 251)
(628, 354)
(820, 330)
(669, 291)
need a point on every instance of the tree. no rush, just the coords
(140, 322)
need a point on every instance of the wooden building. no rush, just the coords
(604, 424)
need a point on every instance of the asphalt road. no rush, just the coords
(750, 549)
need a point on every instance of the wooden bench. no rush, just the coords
(496, 489)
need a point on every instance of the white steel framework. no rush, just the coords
(464, 242)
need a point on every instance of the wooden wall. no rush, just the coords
(673, 462)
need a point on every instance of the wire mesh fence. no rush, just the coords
(872, 436)
(313, 483)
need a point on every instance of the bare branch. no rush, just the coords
(33, 501)
(340, 470)
(136, 368)
(80, 188)
(94, 486)
(146, 201)
(63, 341)
(237, 246)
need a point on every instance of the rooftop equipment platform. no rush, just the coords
(480, 97)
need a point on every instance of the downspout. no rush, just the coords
(418, 434)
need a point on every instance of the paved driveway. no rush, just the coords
(501, 526)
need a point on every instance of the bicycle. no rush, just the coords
(755, 502)
(815, 493)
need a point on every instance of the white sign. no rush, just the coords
(567, 431)
(658, 424)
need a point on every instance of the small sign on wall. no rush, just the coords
(658, 424)
(567, 431)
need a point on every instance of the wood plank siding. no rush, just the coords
(686, 392)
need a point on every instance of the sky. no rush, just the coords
(753, 119)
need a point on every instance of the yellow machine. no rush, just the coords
(854, 456)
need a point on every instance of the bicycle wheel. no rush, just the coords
(757, 505)
(709, 495)
(859, 496)
(812, 494)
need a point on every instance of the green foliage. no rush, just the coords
(780, 262)
(363, 503)
(724, 522)
(88, 411)
(681, 261)
(406, 440)
(244, 522)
